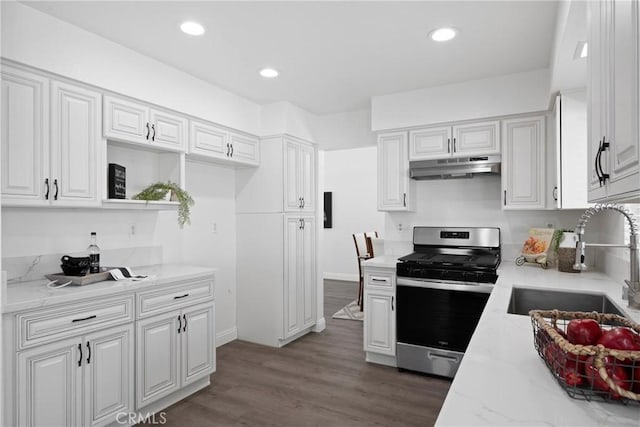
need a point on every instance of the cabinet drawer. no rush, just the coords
(43, 326)
(378, 279)
(173, 297)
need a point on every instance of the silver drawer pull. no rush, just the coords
(431, 355)
(373, 279)
(181, 296)
(83, 319)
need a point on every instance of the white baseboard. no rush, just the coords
(227, 336)
(341, 276)
(320, 325)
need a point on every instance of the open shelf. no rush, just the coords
(158, 205)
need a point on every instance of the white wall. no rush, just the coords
(351, 129)
(351, 176)
(285, 117)
(40, 40)
(496, 96)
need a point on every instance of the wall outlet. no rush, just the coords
(132, 230)
(214, 227)
(400, 227)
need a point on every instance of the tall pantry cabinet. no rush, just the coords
(276, 243)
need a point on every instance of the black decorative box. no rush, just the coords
(117, 181)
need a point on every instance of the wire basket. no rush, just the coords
(587, 371)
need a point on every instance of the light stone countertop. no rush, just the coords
(502, 381)
(35, 294)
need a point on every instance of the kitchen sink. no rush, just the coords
(525, 299)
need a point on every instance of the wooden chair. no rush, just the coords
(364, 250)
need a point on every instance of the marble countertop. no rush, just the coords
(503, 381)
(384, 261)
(35, 294)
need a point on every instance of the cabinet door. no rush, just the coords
(49, 385)
(292, 194)
(623, 150)
(244, 149)
(75, 145)
(209, 141)
(476, 139)
(308, 272)
(157, 357)
(523, 167)
(25, 131)
(292, 287)
(379, 323)
(168, 131)
(430, 143)
(126, 121)
(393, 172)
(198, 343)
(307, 177)
(108, 375)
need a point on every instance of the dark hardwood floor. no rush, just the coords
(319, 380)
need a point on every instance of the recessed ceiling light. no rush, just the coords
(192, 28)
(443, 34)
(582, 50)
(269, 73)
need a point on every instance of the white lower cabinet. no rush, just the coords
(91, 363)
(379, 331)
(380, 315)
(173, 350)
(80, 381)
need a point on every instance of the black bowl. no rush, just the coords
(74, 266)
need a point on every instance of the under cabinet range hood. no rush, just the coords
(463, 167)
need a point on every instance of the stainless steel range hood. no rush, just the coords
(463, 167)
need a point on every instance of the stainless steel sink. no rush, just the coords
(525, 299)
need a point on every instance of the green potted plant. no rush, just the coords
(159, 191)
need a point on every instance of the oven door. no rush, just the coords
(435, 322)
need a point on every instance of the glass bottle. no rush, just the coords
(94, 255)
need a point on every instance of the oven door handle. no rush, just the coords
(447, 286)
(432, 355)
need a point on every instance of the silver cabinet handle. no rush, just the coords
(80, 350)
(179, 323)
(555, 193)
(231, 155)
(303, 203)
(46, 185)
(148, 132)
(404, 200)
(153, 137)
(505, 198)
(184, 328)
(89, 350)
(448, 145)
(55, 185)
(392, 306)
(454, 145)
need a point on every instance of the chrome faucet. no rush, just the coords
(634, 265)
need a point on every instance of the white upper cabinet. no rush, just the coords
(168, 130)
(476, 139)
(75, 145)
(523, 163)
(613, 101)
(394, 184)
(25, 137)
(46, 163)
(469, 139)
(210, 142)
(299, 176)
(138, 123)
(568, 182)
(430, 143)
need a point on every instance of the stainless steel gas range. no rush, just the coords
(442, 289)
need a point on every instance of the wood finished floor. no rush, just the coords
(318, 380)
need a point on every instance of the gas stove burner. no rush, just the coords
(453, 254)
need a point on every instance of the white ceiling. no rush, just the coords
(333, 56)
